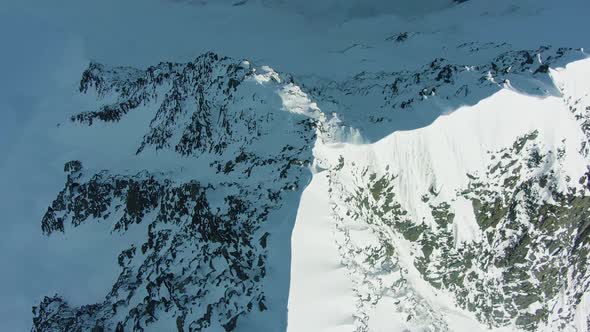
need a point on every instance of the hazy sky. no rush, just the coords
(26, 42)
(35, 61)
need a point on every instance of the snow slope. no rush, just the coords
(438, 156)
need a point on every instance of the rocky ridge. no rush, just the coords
(203, 262)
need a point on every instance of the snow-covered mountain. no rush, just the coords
(433, 177)
(234, 143)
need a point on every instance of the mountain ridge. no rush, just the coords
(202, 104)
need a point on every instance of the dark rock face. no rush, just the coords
(538, 246)
(191, 249)
(203, 261)
(194, 101)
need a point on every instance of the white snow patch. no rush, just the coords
(320, 295)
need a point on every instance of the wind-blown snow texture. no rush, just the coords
(377, 184)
